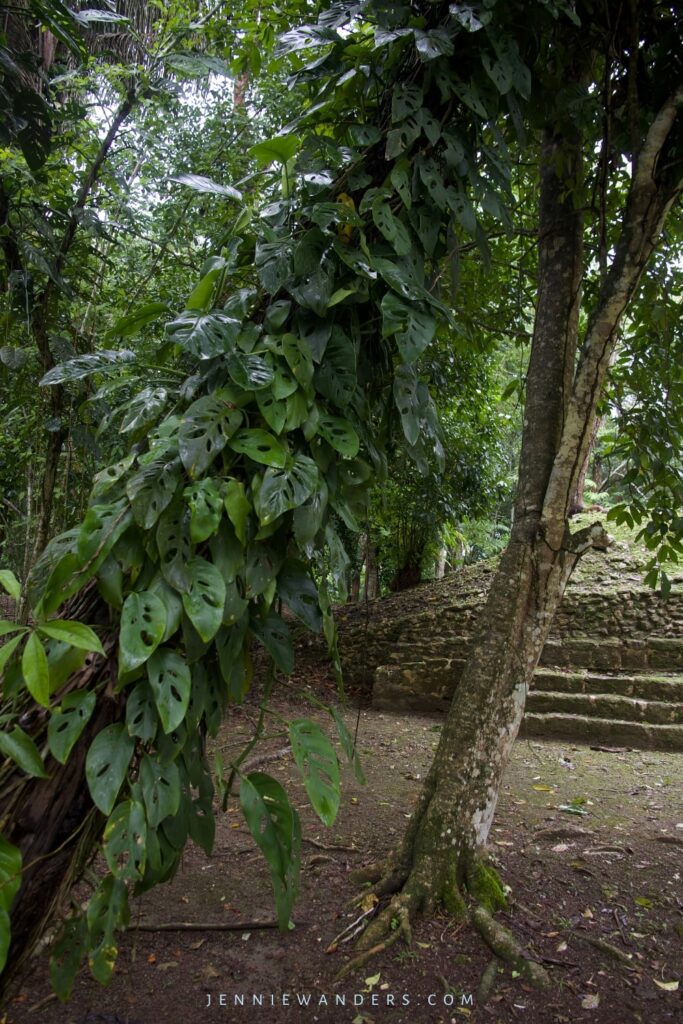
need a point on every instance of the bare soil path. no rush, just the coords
(590, 843)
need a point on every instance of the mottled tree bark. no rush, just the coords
(53, 821)
(441, 854)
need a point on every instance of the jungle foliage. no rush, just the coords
(286, 369)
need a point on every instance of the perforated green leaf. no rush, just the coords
(309, 517)
(391, 227)
(274, 635)
(106, 765)
(205, 599)
(284, 381)
(273, 410)
(276, 315)
(283, 489)
(499, 71)
(204, 335)
(463, 210)
(336, 377)
(160, 786)
(400, 179)
(169, 677)
(300, 594)
(68, 722)
(205, 429)
(124, 841)
(405, 100)
(433, 43)
(175, 549)
(299, 357)
(233, 659)
(250, 372)
(340, 434)
(274, 824)
(107, 910)
(102, 527)
(143, 624)
(405, 396)
(414, 328)
(67, 955)
(142, 719)
(205, 502)
(151, 489)
(261, 566)
(260, 446)
(319, 767)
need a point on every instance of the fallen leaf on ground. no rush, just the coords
(668, 986)
(209, 972)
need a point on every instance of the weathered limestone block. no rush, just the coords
(599, 730)
(415, 687)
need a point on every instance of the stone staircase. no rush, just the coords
(639, 707)
(611, 672)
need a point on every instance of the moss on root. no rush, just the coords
(485, 886)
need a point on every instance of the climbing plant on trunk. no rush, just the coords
(302, 343)
(442, 857)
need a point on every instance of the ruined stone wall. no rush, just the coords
(605, 620)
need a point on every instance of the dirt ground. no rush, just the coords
(589, 842)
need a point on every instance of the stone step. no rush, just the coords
(639, 685)
(655, 653)
(585, 729)
(610, 706)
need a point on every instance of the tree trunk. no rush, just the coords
(440, 570)
(371, 571)
(53, 821)
(576, 504)
(441, 854)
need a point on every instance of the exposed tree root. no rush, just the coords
(606, 947)
(488, 980)
(401, 929)
(505, 946)
(411, 896)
